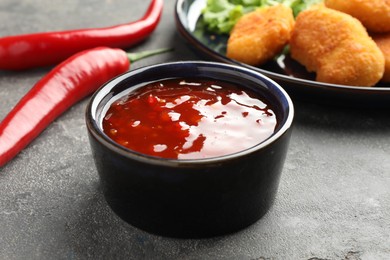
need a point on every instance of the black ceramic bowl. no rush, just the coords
(190, 198)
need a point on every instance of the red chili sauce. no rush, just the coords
(189, 119)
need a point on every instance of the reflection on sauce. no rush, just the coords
(189, 119)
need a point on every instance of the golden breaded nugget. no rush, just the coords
(374, 14)
(260, 35)
(383, 42)
(337, 47)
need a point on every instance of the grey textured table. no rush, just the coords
(333, 200)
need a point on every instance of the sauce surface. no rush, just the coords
(189, 119)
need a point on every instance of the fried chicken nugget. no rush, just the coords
(383, 42)
(373, 14)
(337, 47)
(260, 35)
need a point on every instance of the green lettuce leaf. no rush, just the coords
(220, 16)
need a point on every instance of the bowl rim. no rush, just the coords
(97, 97)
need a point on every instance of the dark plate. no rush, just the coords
(288, 73)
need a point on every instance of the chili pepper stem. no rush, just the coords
(143, 54)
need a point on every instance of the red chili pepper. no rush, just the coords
(49, 48)
(68, 83)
